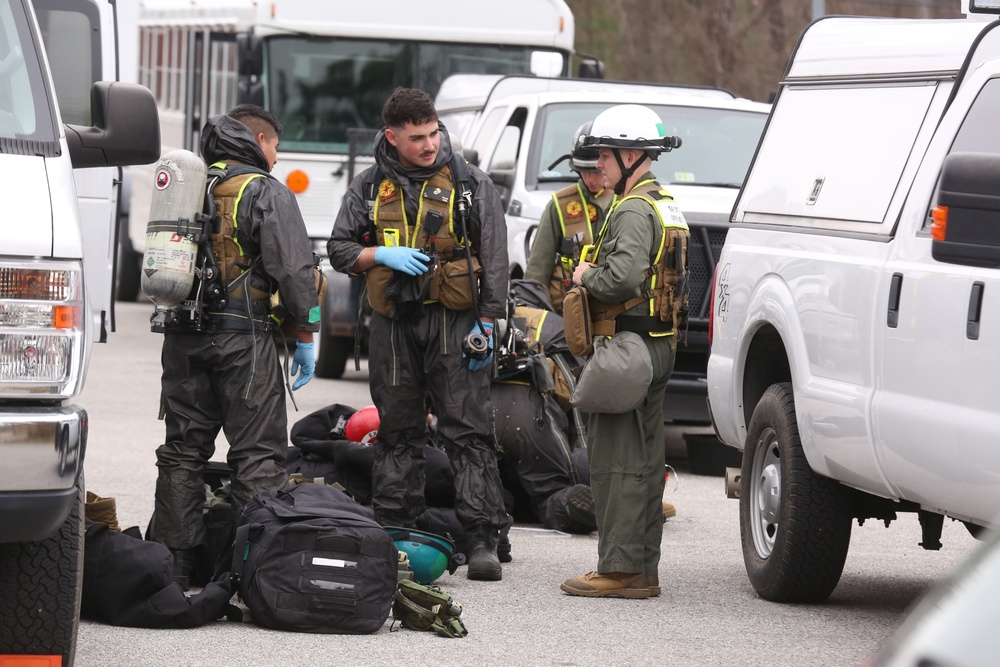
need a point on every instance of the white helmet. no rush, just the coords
(631, 126)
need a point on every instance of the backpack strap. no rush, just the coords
(241, 546)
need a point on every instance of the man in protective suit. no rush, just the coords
(225, 373)
(543, 461)
(428, 231)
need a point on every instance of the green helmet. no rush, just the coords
(430, 555)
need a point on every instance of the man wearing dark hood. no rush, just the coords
(226, 374)
(415, 224)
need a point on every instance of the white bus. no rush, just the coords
(325, 69)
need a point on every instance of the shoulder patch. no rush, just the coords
(386, 190)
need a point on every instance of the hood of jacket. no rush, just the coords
(388, 159)
(225, 138)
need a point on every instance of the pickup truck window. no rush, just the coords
(979, 132)
(847, 148)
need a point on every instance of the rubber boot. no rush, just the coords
(183, 566)
(503, 549)
(484, 565)
(101, 510)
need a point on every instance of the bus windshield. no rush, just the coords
(320, 87)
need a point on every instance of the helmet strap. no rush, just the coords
(626, 172)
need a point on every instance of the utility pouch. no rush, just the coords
(420, 607)
(562, 391)
(279, 314)
(378, 278)
(455, 291)
(578, 324)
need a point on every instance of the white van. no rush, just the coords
(55, 277)
(855, 353)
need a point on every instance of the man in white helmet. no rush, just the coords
(635, 277)
(569, 221)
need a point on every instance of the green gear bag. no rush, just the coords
(421, 607)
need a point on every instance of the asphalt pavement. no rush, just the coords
(708, 614)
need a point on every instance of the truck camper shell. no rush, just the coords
(856, 110)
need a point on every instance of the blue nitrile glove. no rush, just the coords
(476, 364)
(401, 258)
(306, 360)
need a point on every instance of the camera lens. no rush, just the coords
(476, 345)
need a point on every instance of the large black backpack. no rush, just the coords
(313, 560)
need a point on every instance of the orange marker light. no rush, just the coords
(297, 181)
(65, 317)
(940, 224)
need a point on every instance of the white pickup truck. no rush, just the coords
(856, 349)
(517, 127)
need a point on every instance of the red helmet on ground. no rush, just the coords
(363, 425)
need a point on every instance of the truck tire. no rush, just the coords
(333, 354)
(795, 525)
(41, 585)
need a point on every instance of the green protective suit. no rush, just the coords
(627, 451)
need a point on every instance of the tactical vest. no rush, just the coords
(433, 231)
(237, 256)
(666, 293)
(576, 215)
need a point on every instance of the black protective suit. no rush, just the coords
(538, 461)
(418, 359)
(229, 379)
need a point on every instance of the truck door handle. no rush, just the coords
(892, 318)
(975, 311)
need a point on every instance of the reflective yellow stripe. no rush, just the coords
(538, 329)
(236, 208)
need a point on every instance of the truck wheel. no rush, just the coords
(795, 525)
(333, 354)
(41, 584)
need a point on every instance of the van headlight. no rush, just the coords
(41, 328)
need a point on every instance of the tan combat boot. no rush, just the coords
(654, 585)
(668, 510)
(608, 585)
(101, 510)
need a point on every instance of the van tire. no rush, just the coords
(795, 525)
(332, 358)
(41, 585)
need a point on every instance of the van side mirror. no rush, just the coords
(126, 128)
(250, 68)
(504, 182)
(250, 48)
(966, 226)
(591, 68)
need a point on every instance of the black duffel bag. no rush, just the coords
(313, 560)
